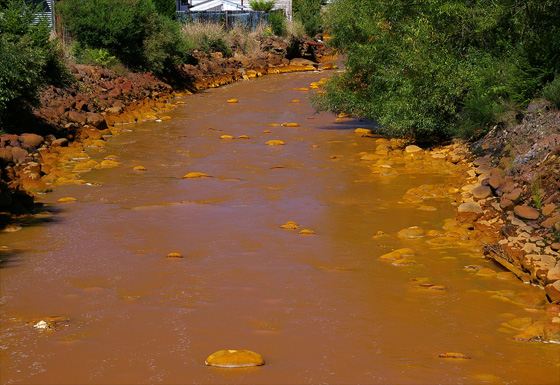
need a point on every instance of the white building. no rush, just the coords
(228, 5)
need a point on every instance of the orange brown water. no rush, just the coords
(321, 308)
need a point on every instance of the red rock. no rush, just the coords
(96, 120)
(77, 117)
(30, 140)
(481, 192)
(555, 246)
(548, 209)
(6, 154)
(553, 292)
(526, 212)
(513, 195)
(550, 222)
(506, 203)
(495, 181)
(62, 142)
(19, 154)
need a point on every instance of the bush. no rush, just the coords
(308, 12)
(130, 30)
(166, 8)
(94, 56)
(119, 26)
(261, 5)
(278, 22)
(439, 68)
(165, 48)
(28, 59)
(552, 91)
(207, 37)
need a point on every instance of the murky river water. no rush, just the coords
(320, 308)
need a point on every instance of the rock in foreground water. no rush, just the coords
(230, 358)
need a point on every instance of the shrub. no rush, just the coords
(552, 91)
(207, 37)
(261, 5)
(119, 26)
(166, 8)
(277, 22)
(295, 30)
(308, 12)
(130, 30)
(28, 59)
(165, 48)
(94, 56)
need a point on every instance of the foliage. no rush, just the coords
(93, 56)
(207, 37)
(261, 5)
(130, 30)
(308, 12)
(28, 58)
(278, 22)
(552, 91)
(420, 68)
(166, 8)
(165, 47)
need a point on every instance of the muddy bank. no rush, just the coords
(88, 112)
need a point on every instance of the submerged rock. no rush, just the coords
(275, 142)
(232, 358)
(195, 174)
(290, 225)
(454, 355)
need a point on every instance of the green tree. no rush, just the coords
(308, 12)
(437, 68)
(28, 59)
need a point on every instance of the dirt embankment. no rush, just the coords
(88, 112)
(513, 196)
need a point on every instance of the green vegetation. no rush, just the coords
(308, 12)
(262, 5)
(28, 59)
(439, 68)
(552, 91)
(131, 30)
(166, 8)
(207, 37)
(278, 22)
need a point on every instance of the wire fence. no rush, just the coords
(229, 19)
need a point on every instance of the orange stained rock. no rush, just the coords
(295, 101)
(307, 232)
(243, 137)
(232, 358)
(290, 225)
(67, 200)
(290, 124)
(226, 137)
(362, 131)
(195, 174)
(233, 100)
(275, 142)
(174, 254)
(139, 168)
(454, 355)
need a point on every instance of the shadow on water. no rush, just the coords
(351, 124)
(9, 257)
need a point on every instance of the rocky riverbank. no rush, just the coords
(52, 150)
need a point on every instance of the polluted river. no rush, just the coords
(286, 248)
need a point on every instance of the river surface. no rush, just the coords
(321, 309)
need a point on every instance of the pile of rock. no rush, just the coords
(525, 227)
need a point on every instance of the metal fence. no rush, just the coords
(229, 19)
